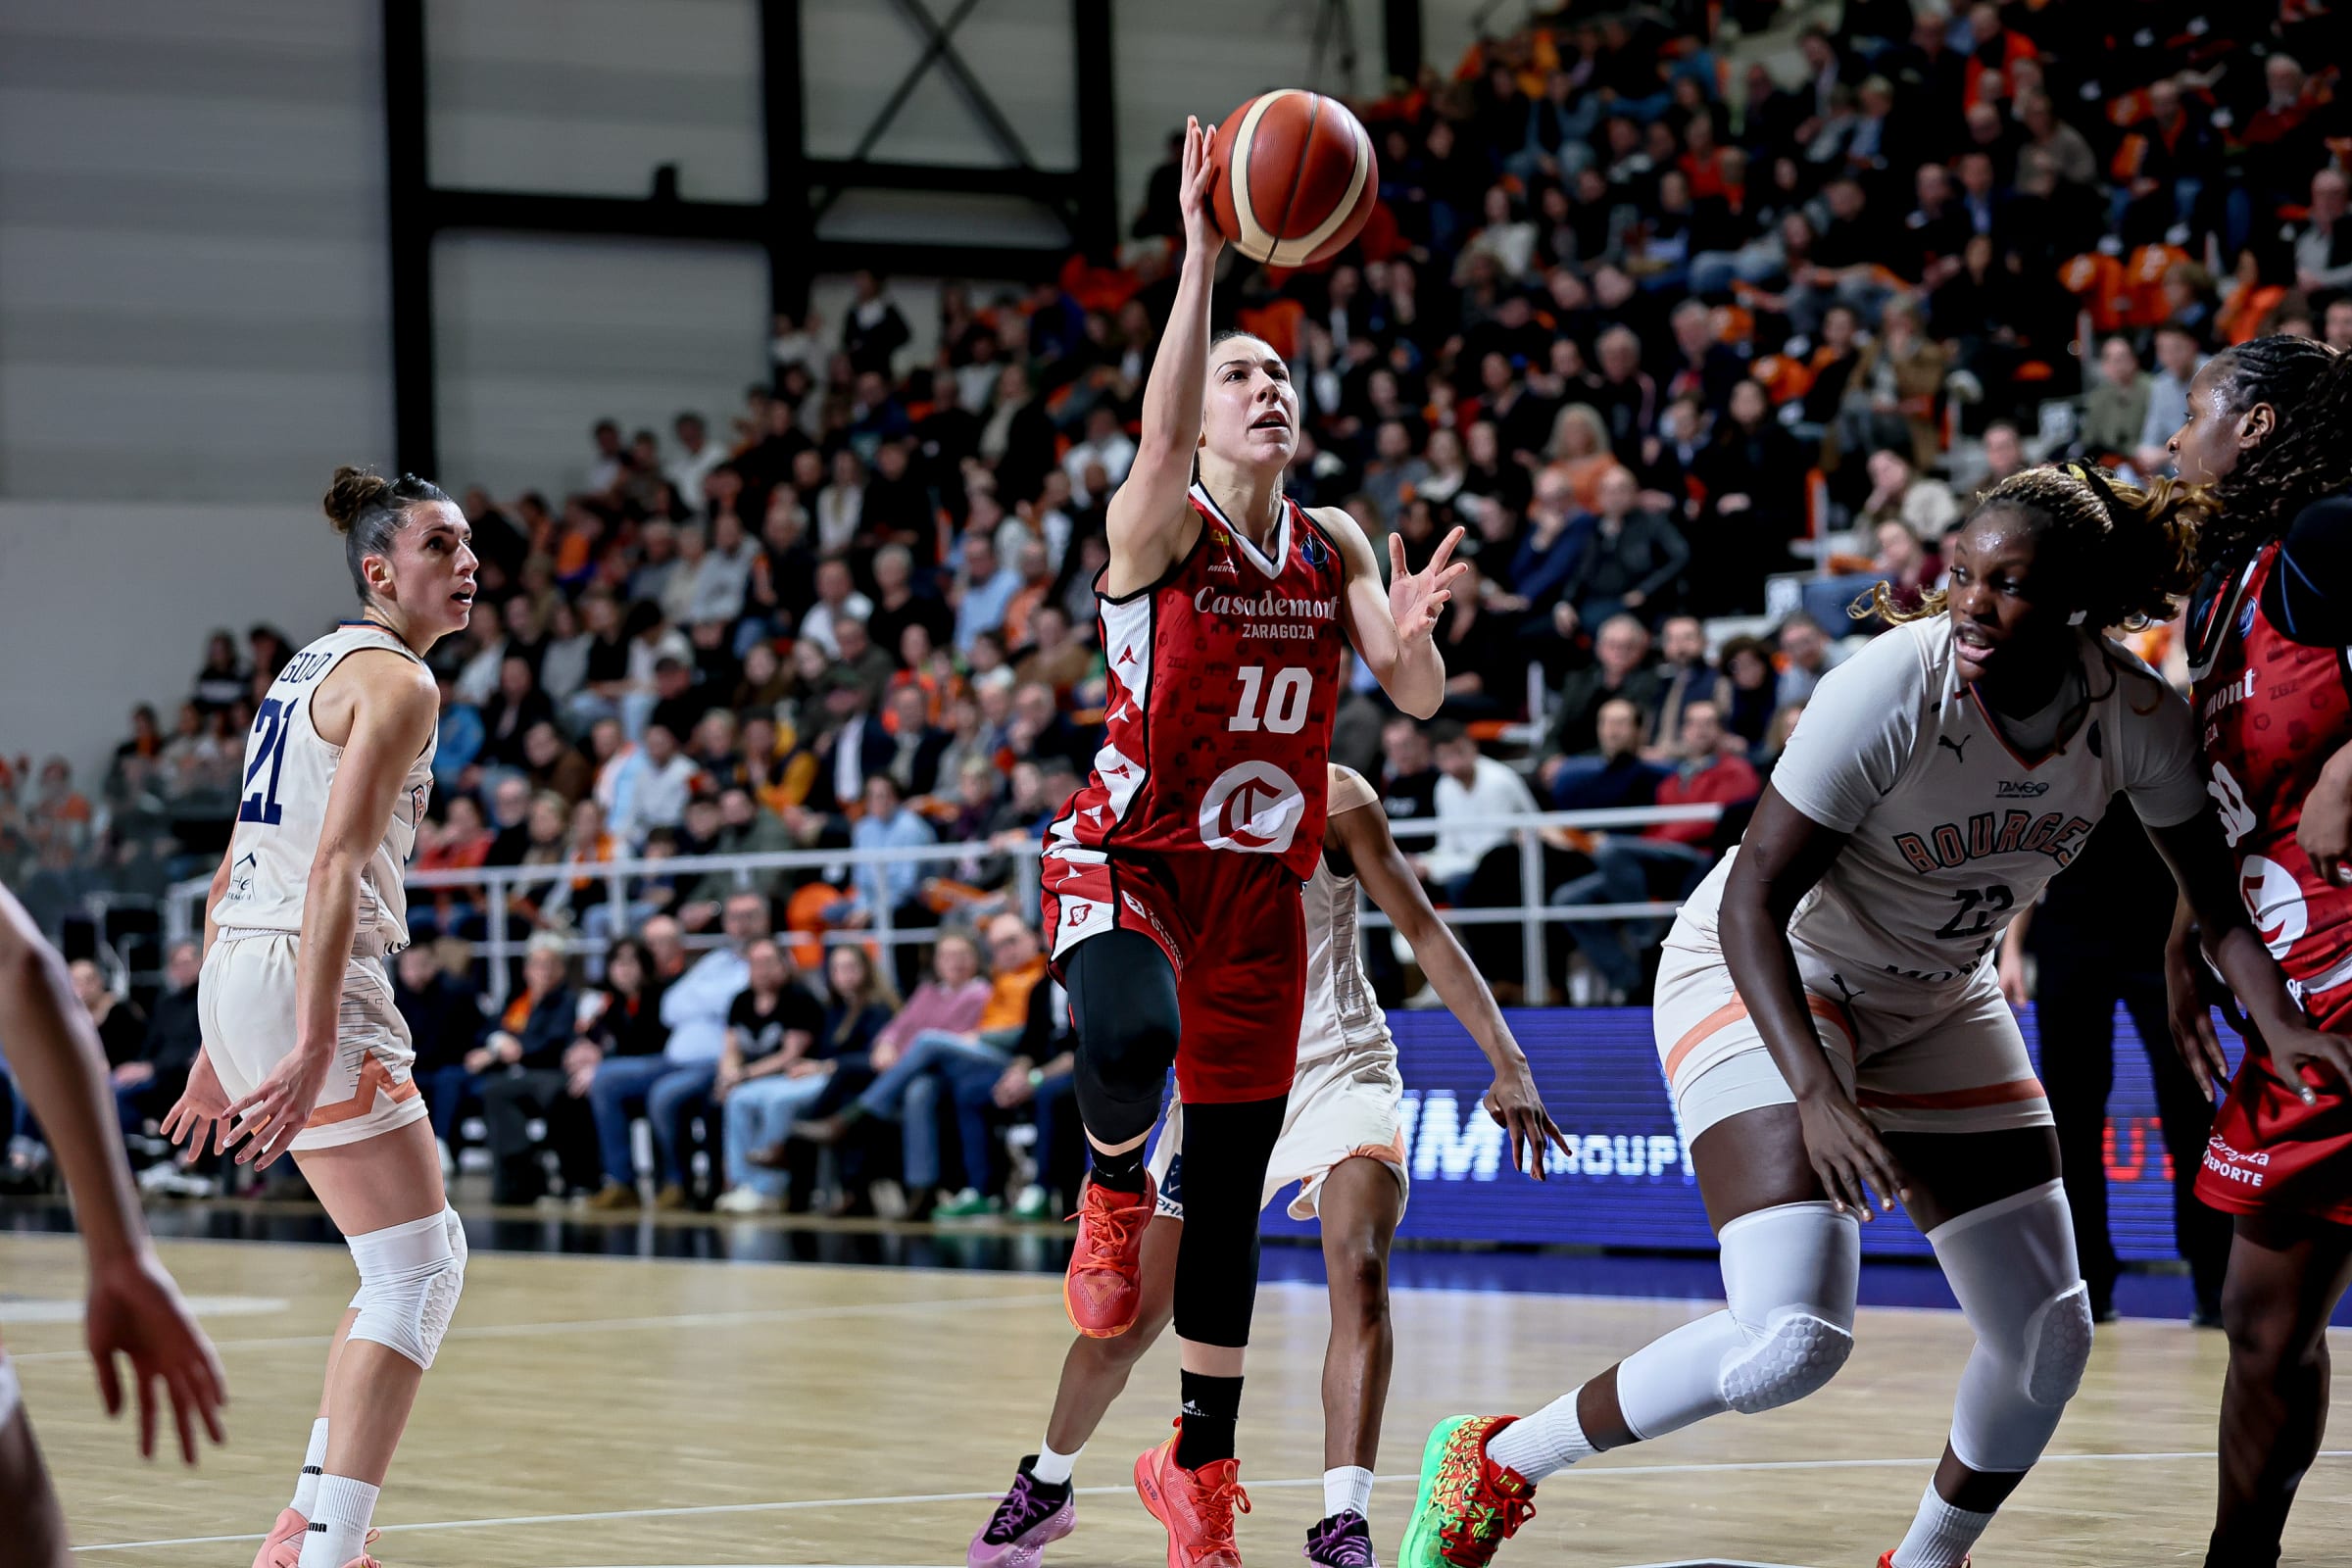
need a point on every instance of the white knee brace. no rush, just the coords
(1790, 1274)
(2012, 1265)
(409, 1278)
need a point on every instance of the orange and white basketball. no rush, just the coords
(1293, 178)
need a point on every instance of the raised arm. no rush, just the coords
(1393, 623)
(392, 707)
(1147, 513)
(1361, 833)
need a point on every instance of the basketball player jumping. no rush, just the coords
(1342, 1143)
(2266, 424)
(134, 1310)
(1171, 881)
(303, 1048)
(1830, 1021)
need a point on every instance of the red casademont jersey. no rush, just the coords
(2272, 712)
(1222, 680)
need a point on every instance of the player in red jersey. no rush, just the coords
(1172, 880)
(2270, 648)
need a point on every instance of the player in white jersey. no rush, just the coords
(134, 1310)
(1343, 1143)
(303, 1048)
(1831, 1021)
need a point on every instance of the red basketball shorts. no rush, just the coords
(2272, 1153)
(1234, 930)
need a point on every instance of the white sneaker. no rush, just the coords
(748, 1201)
(1032, 1202)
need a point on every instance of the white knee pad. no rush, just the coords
(2012, 1265)
(1790, 1274)
(409, 1277)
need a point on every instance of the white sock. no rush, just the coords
(1054, 1469)
(314, 1465)
(1940, 1535)
(1550, 1439)
(1347, 1486)
(338, 1532)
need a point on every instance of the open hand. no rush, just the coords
(267, 1120)
(1518, 1110)
(1415, 598)
(135, 1311)
(1849, 1155)
(1200, 231)
(198, 1115)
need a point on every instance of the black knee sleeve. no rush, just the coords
(1123, 1003)
(1226, 1147)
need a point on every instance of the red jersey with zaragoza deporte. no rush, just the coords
(1222, 680)
(2273, 711)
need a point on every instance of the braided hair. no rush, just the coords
(2308, 456)
(368, 511)
(2129, 554)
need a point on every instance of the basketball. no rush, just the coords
(1295, 177)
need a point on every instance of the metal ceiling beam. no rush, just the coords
(800, 189)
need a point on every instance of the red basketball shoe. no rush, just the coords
(1104, 1289)
(1195, 1505)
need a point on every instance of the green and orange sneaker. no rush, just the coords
(1468, 1505)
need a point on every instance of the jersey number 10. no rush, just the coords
(271, 725)
(1284, 699)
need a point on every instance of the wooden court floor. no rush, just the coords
(588, 1412)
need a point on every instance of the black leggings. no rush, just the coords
(1123, 1003)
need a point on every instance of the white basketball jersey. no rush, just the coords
(1950, 832)
(1341, 1015)
(283, 806)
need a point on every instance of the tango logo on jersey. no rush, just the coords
(1255, 807)
(2021, 789)
(1948, 845)
(2237, 691)
(2274, 902)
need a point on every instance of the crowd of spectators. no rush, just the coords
(1655, 318)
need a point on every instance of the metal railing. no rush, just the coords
(183, 905)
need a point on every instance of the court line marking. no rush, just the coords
(804, 1504)
(1699, 1303)
(619, 1325)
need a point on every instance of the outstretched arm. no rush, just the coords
(1393, 626)
(1363, 833)
(1147, 510)
(135, 1309)
(2208, 877)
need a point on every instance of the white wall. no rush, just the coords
(585, 97)
(538, 338)
(106, 605)
(192, 275)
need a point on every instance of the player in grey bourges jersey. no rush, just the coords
(1830, 1023)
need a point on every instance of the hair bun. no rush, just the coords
(353, 494)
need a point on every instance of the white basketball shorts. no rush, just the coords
(1915, 1058)
(1342, 1107)
(245, 1001)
